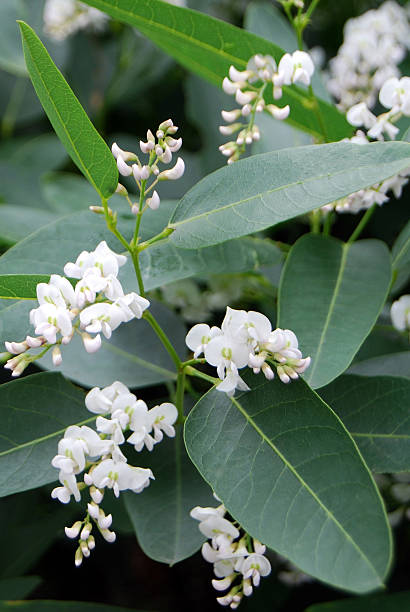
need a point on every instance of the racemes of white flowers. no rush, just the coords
(400, 313)
(238, 559)
(249, 86)
(374, 45)
(97, 455)
(96, 304)
(394, 95)
(62, 18)
(160, 149)
(247, 339)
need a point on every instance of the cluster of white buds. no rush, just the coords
(98, 455)
(374, 45)
(160, 149)
(400, 313)
(62, 18)
(394, 95)
(248, 87)
(95, 304)
(238, 559)
(247, 339)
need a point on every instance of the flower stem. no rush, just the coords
(193, 372)
(163, 337)
(327, 225)
(190, 362)
(311, 8)
(362, 223)
(161, 236)
(179, 400)
(315, 221)
(134, 241)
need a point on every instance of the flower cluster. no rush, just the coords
(238, 560)
(96, 304)
(400, 313)
(159, 148)
(98, 455)
(247, 339)
(248, 87)
(374, 44)
(395, 96)
(62, 18)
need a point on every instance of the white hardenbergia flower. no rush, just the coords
(247, 339)
(400, 313)
(160, 149)
(238, 560)
(374, 45)
(96, 304)
(249, 86)
(98, 457)
(62, 18)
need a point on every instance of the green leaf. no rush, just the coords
(42, 605)
(20, 286)
(393, 364)
(376, 411)
(330, 296)
(83, 143)
(263, 190)
(401, 258)
(18, 588)
(396, 602)
(161, 520)
(48, 250)
(17, 222)
(287, 470)
(208, 46)
(35, 413)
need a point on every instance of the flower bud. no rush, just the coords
(57, 357)
(228, 130)
(126, 155)
(35, 342)
(85, 532)
(109, 536)
(99, 210)
(173, 144)
(93, 510)
(84, 548)
(278, 113)
(96, 495)
(88, 480)
(174, 173)
(16, 348)
(229, 87)
(244, 97)
(91, 345)
(78, 559)
(73, 531)
(146, 147)
(123, 168)
(166, 157)
(165, 125)
(237, 75)
(91, 543)
(154, 201)
(104, 522)
(246, 110)
(232, 115)
(121, 190)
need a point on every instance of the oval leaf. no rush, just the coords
(393, 364)
(330, 295)
(288, 471)
(208, 46)
(35, 413)
(161, 519)
(20, 286)
(396, 602)
(376, 411)
(263, 190)
(83, 143)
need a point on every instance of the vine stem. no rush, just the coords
(193, 372)
(362, 223)
(311, 8)
(179, 398)
(163, 337)
(315, 221)
(327, 226)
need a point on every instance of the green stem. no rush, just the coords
(362, 223)
(179, 401)
(190, 362)
(311, 8)
(135, 261)
(139, 216)
(163, 337)
(327, 225)
(315, 221)
(190, 371)
(161, 236)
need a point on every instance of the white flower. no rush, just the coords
(254, 567)
(120, 476)
(100, 401)
(48, 320)
(359, 115)
(161, 419)
(174, 173)
(77, 444)
(63, 18)
(103, 317)
(132, 305)
(141, 427)
(395, 93)
(400, 313)
(199, 336)
(294, 68)
(102, 257)
(227, 355)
